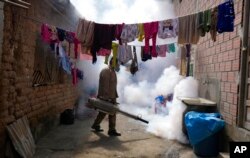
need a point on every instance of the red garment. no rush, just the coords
(104, 52)
(46, 33)
(74, 76)
(150, 30)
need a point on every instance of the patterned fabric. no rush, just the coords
(104, 52)
(124, 53)
(168, 28)
(161, 50)
(129, 33)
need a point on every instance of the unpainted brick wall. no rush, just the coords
(17, 96)
(220, 59)
(1, 29)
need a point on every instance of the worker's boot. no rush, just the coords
(97, 128)
(113, 133)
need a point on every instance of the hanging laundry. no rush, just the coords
(83, 56)
(168, 28)
(226, 17)
(65, 64)
(171, 48)
(61, 34)
(183, 64)
(114, 52)
(54, 37)
(188, 29)
(161, 50)
(129, 33)
(71, 38)
(46, 33)
(64, 61)
(103, 52)
(151, 30)
(74, 75)
(104, 34)
(69, 49)
(79, 74)
(134, 64)
(141, 34)
(85, 34)
(204, 22)
(188, 55)
(146, 56)
(118, 32)
(124, 54)
(214, 18)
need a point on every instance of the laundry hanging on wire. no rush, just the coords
(96, 39)
(65, 46)
(92, 39)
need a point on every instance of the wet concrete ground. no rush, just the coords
(79, 141)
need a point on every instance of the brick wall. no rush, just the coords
(218, 60)
(1, 30)
(17, 96)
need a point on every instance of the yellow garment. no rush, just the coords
(114, 50)
(183, 66)
(141, 34)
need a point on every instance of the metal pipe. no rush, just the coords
(244, 65)
(15, 4)
(110, 108)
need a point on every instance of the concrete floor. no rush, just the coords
(78, 141)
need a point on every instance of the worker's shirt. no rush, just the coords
(107, 85)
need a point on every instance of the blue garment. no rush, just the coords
(226, 17)
(65, 64)
(64, 61)
(160, 99)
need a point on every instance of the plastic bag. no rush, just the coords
(202, 125)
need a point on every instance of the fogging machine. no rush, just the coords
(109, 108)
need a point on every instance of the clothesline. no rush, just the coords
(167, 18)
(41, 22)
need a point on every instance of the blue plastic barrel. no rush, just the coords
(208, 147)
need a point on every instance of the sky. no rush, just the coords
(127, 11)
(155, 77)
